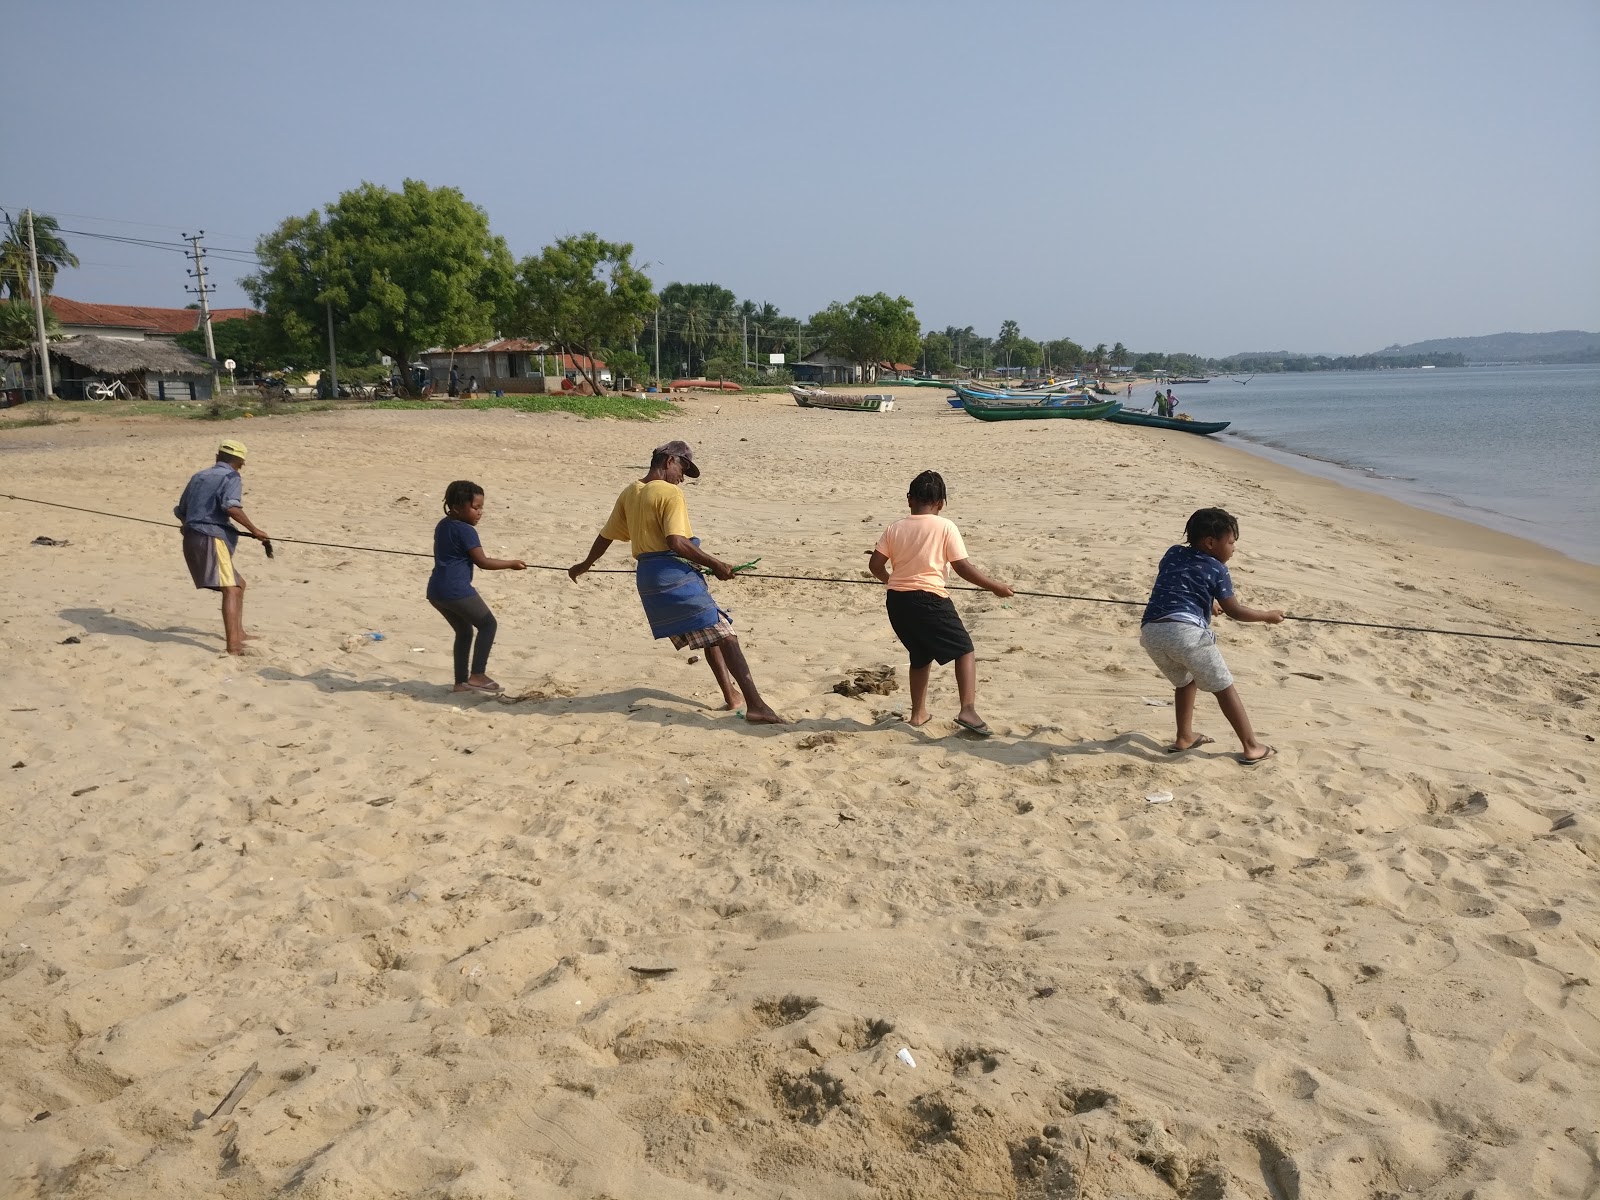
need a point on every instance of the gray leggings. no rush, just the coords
(466, 616)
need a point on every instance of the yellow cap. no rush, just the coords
(232, 449)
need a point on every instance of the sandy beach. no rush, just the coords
(596, 939)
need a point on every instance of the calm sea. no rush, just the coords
(1513, 448)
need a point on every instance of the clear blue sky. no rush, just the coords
(1212, 177)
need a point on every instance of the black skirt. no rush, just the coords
(928, 627)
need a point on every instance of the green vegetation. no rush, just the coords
(870, 329)
(580, 295)
(403, 270)
(15, 270)
(34, 421)
(621, 407)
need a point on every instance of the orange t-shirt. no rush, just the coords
(919, 548)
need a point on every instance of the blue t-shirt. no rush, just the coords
(1187, 581)
(453, 542)
(203, 507)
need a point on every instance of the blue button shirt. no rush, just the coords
(453, 542)
(1187, 581)
(204, 505)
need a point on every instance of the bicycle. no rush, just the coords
(100, 390)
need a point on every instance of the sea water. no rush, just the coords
(1513, 448)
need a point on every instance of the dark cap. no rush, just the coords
(682, 452)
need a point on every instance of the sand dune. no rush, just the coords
(443, 925)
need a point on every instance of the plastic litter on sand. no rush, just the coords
(1159, 798)
(904, 1056)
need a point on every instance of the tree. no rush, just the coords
(694, 320)
(1027, 353)
(17, 328)
(1119, 355)
(869, 330)
(1063, 352)
(1098, 355)
(936, 353)
(581, 294)
(1010, 334)
(15, 268)
(402, 270)
(239, 339)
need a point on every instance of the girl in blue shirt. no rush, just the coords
(456, 550)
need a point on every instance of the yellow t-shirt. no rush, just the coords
(645, 514)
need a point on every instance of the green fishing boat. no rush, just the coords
(988, 409)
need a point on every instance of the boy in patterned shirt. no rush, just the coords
(1191, 583)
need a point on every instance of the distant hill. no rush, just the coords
(1564, 345)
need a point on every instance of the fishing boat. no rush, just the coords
(807, 397)
(964, 390)
(1156, 422)
(1191, 379)
(1014, 410)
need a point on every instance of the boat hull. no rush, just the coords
(1150, 419)
(842, 403)
(1012, 411)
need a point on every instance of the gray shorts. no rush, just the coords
(1186, 654)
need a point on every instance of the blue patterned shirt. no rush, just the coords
(1187, 581)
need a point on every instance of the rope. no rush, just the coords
(751, 574)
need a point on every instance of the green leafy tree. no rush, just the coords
(1119, 355)
(17, 328)
(401, 270)
(869, 330)
(937, 356)
(1010, 335)
(629, 363)
(1027, 353)
(15, 271)
(239, 339)
(581, 294)
(1063, 354)
(694, 321)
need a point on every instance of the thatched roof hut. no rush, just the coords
(119, 357)
(155, 368)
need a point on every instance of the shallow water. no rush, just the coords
(1512, 448)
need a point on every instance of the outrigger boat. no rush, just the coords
(807, 397)
(986, 407)
(1158, 422)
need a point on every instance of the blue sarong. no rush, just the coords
(674, 593)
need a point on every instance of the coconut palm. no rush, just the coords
(14, 265)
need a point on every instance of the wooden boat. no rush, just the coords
(964, 390)
(1194, 379)
(1155, 422)
(817, 398)
(703, 385)
(1012, 410)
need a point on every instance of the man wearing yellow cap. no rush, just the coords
(207, 508)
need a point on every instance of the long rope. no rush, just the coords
(751, 574)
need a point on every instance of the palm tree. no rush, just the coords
(15, 271)
(1099, 356)
(1119, 355)
(1010, 335)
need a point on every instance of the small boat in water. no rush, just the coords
(1158, 422)
(1191, 379)
(839, 401)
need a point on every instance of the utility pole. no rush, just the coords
(658, 345)
(333, 359)
(38, 311)
(203, 288)
(744, 339)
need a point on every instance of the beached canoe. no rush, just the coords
(1012, 410)
(840, 402)
(1180, 423)
(965, 391)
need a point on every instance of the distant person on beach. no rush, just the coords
(455, 381)
(1161, 405)
(1191, 584)
(910, 559)
(456, 550)
(208, 507)
(1172, 404)
(472, 386)
(652, 516)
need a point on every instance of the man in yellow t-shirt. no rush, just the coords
(653, 518)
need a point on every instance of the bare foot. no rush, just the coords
(731, 703)
(764, 716)
(236, 651)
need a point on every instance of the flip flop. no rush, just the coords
(1200, 740)
(485, 687)
(1251, 762)
(980, 729)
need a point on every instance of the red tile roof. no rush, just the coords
(163, 321)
